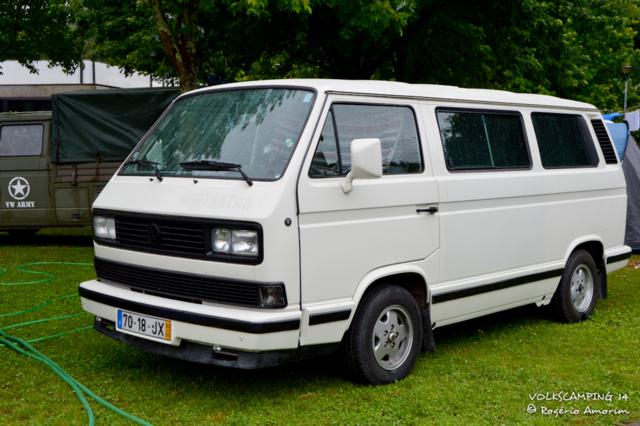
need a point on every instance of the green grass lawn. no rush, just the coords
(484, 371)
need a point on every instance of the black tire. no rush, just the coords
(575, 297)
(387, 353)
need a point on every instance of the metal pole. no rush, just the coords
(626, 88)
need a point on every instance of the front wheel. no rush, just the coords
(385, 336)
(575, 298)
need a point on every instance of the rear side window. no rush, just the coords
(395, 126)
(564, 141)
(20, 140)
(483, 140)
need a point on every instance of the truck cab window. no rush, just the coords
(21, 140)
(395, 126)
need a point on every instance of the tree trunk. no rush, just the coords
(177, 44)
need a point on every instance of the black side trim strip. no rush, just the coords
(618, 258)
(329, 317)
(500, 285)
(206, 320)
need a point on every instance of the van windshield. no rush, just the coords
(252, 130)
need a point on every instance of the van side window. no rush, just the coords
(325, 161)
(564, 141)
(20, 140)
(395, 126)
(482, 140)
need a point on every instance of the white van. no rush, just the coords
(262, 222)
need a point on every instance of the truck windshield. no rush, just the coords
(253, 130)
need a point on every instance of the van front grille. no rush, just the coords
(179, 286)
(177, 236)
(165, 235)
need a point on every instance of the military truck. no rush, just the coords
(53, 164)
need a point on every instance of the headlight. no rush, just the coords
(104, 227)
(221, 241)
(238, 242)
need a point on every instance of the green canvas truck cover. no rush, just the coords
(103, 125)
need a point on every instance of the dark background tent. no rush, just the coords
(631, 167)
(103, 125)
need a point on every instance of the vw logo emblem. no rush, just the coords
(154, 233)
(19, 188)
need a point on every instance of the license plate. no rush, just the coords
(156, 328)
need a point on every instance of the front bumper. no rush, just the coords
(242, 329)
(205, 354)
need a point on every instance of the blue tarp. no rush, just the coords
(612, 116)
(620, 134)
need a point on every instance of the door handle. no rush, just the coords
(430, 210)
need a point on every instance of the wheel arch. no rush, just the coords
(593, 245)
(409, 277)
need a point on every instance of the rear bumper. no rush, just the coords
(250, 330)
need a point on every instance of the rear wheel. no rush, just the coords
(575, 298)
(385, 336)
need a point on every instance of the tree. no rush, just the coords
(188, 39)
(39, 29)
(247, 39)
(569, 48)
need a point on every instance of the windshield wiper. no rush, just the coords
(216, 166)
(147, 163)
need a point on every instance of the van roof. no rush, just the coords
(424, 91)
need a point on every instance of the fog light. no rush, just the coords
(273, 296)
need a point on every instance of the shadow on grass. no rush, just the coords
(501, 321)
(49, 237)
(323, 369)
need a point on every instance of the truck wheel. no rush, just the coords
(385, 336)
(575, 297)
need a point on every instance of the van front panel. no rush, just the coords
(208, 234)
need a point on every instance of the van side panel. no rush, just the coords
(343, 237)
(498, 226)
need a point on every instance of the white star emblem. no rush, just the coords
(19, 188)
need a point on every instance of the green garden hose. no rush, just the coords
(47, 276)
(25, 348)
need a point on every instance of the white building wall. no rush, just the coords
(15, 74)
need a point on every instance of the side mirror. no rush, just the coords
(366, 162)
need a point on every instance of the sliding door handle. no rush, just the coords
(430, 210)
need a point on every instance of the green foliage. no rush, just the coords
(122, 32)
(569, 48)
(31, 30)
